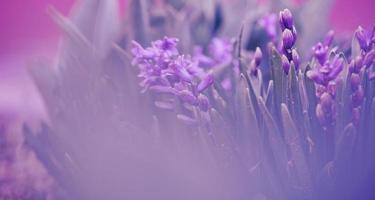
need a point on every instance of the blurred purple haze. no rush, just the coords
(27, 31)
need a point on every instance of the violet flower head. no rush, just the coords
(362, 38)
(323, 74)
(320, 52)
(296, 59)
(164, 70)
(255, 62)
(268, 23)
(286, 19)
(285, 64)
(328, 39)
(288, 39)
(219, 53)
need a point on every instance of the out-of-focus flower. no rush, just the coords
(164, 70)
(219, 53)
(268, 23)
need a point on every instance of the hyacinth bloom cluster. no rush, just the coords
(164, 70)
(289, 38)
(243, 118)
(219, 54)
(324, 73)
(359, 63)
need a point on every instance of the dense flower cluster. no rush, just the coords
(361, 62)
(164, 70)
(324, 74)
(289, 38)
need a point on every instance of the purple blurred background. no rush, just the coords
(25, 26)
(27, 32)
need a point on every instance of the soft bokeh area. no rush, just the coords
(187, 100)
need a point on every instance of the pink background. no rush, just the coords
(24, 24)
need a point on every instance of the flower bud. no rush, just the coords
(296, 59)
(203, 102)
(253, 68)
(316, 77)
(257, 56)
(369, 58)
(337, 66)
(286, 19)
(285, 64)
(205, 83)
(288, 39)
(320, 53)
(361, 37)
(187, 97)
(329, 38)
(326, 102)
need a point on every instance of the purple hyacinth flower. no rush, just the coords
(296, 59)
(285, 64)
(205, 83)
(317, 77)
(203, 102)
(288, 39)
(361, 37)
(320, 114)
(326, 101)
(320, 52)
(187, 97)
(257, 56)
(369, 58)
(286, 19)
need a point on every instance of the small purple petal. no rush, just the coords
(285, 64)
(316, 77)
(288, 39)
(361, 37)
(369, 58)
(320, 53)
(187, 97)
(258, 56)
(286, 19)
(205, 83)
(329, 38)
(203, 102)
(326, 101)
(296, 59)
